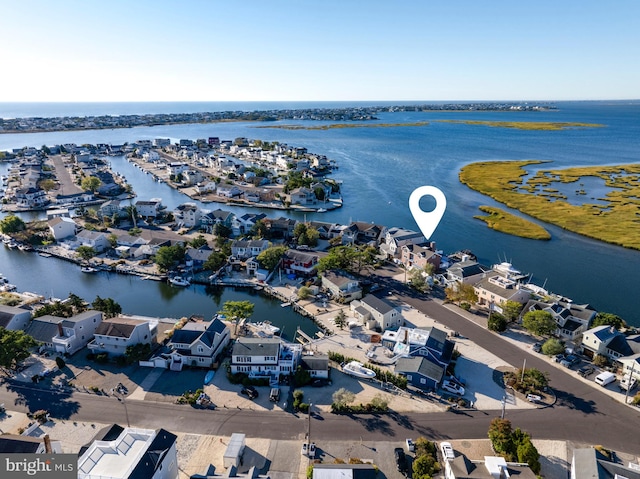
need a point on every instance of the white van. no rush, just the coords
(605, 378)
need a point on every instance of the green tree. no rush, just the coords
(12, 224)
(221, 230)
(500, 435)
(90, 183)
(304, 292)
(15, 347)
(108, 306)
(198, 242)
(77, 303)
(527, 453)
(132, 212)
(496, 322)
(168, 257)
(113, 240)
(343, 397)
(511, 310)
(54, 309)
(270, 257)
(85, 253)
(418, 280)
(259, 230)
(47, 184)
(461, 293)
(341, 319)
(608, 319)
(348, 257)
(540, 323)
(425, 447)
(215, 261)
(424, 467)
(552, 346)
(237, 310)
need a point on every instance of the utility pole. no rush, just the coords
(524, 366)
(504, 402)
(626, 394)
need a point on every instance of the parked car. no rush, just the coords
(320, 382)
(537, 347)
(447, 451)
(411, 446)
(533, 398)
(401, 460)
(585, 371)
(452, 387)
(569, 360)
(558, 357)
(274, 395)
(249, 391)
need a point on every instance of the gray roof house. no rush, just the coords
(317, 365)
(14, 444)
(264, 357)
(65, 335)
(420, 372)
(14, 318)
(114, 335)
(377, 312)
(198, 343)
(343, 287)
(344, 471)
(589, 463)
(606, 341)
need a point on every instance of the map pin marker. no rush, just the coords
(427, 220)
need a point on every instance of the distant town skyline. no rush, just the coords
(288, 50)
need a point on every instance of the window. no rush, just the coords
(423, 381)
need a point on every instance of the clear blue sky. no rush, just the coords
(271, 50)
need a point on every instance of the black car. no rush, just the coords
(401, 460)
(249, 391)
(585, 371)
(320, 382)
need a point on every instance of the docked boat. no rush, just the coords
(355, 368)
(179, 281)
(265, 328)
(25, 247)
(321, 210)
(88, 269)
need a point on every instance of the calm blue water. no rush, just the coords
(380, 168)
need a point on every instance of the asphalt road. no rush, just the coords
(582, 414)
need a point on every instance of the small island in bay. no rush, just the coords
(500, 220)
(528, 125)
(344, 125)
(613, 217)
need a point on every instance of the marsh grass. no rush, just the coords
(344, 125)
(528, 125)
(505, 222)
(616, 222)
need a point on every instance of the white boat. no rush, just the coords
(507, 270)
(355, 368)
(12, 244)
(265, 327)
(321, 210)
(88, 269)
(179, 281)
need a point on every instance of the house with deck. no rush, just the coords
(114, 335)
(62, 227)
(265, 357)
(300, 263)
(65, 335)
(344, 288)
(377, 313)
(198, 343)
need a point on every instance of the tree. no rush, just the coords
(11, 224)
(221, 230)
(47, 184)
(270, 257)
(54, 309)
(424, 467)
(215, 261)
(237, 310)
(107, 305)
(540, 323)
(349, 257)
(340, 319)
(304, 292)
(500, 435)
(132, 212)
(85, 253)
(511, 310)
(113, 240)
(15, 347)
(496, 322)
(552, 346)
(527, 453)
(461, 293)
(198, 242)
(169, 256)
(90, 183)
(77, 303)
(418, 280)
(608, 319)
(259, 230)
(342, 397)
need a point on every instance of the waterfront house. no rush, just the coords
(491, 467)
(149, 209)
(97, 240)
(377, 313)
(244, 249)
(130, 453)
(303, 196)
(363, 233)
(606, 341)
(344, 288)
(317, 365)
(419, 255)
(187, 215)
(62, 227)
(229, 191)
(65, 335)
(468, 272)
(572, 319)
(264, 357)
(198, 343)
(175, 168)
(244, 223)
(196, 257)
(215, 217)
(300, 263)
(495, 290)
(31, 197)
(14, 318)
(396, 238)
(280, 227)
(114, 335)
(110, 208)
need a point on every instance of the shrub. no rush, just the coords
(600, 361)
(552, 346)
(497, 323)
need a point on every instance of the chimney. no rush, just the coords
(47, 444)
(60, 330)
(406, 336)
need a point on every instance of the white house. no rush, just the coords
(396, 238)
(266, 357)
(377, 313)
(198, 343)
(65, 335)
(126, 453)
(343, 287)
(114, 335)
(187, 215)
(14, 318)
(244, 249)
(62, 227)
(149, 208)
(97, 240)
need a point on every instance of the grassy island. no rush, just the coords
(616, 220)
(344, 125)
(528, 125)
(505, 222)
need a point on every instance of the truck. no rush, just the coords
(628, 384)
(605, 378)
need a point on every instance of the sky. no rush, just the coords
(328, 50)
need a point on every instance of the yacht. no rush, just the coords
(179, 281)
(355, 368)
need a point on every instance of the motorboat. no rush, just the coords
(179, 281)
(265, 327)
(88, 269)
(357, 369)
